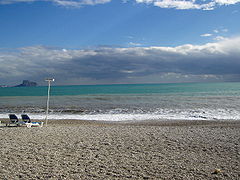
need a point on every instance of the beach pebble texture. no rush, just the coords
(120, 151)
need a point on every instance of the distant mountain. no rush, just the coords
(27, 83)
(2, 86)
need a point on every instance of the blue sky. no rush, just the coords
(56, 35)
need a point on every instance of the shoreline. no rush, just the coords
(160, 122)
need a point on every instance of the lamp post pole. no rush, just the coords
(48, 97)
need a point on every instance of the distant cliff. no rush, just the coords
(27, 83)
(2, 86)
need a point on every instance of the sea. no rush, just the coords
(126, 102)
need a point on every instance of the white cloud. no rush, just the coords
(134, 44)
(218, 34)
(177, 4)
(15, 1)
(220, 38)
(224, 30)
(65, 3)
(127, 71)
(189, 4)
(206, 35)
(110, 65)
(226, 2)
(221, 30)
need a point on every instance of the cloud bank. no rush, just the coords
(218, 61)
(176, 4)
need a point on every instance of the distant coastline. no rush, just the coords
(25, 83)
(3, 86)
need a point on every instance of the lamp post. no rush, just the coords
(49, 80)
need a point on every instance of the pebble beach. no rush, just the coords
(74, 149)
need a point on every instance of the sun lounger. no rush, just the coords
(13, 120)
(26, 119)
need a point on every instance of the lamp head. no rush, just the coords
(49, 79)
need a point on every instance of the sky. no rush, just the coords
(119, 41)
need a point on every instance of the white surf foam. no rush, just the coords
(164, 114)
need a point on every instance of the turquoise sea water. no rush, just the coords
(126, 102)
(173, 88)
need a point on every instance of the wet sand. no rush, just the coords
(73, 149)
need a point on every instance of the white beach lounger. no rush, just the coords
(26, 119)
